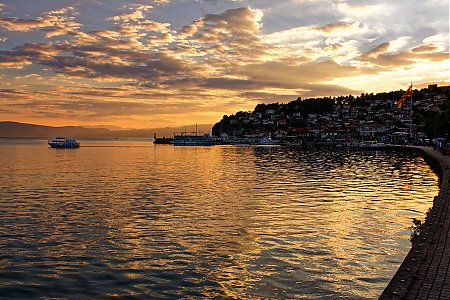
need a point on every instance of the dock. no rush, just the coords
(425, 271)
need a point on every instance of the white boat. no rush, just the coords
(63, 142)
(184, 139)
(265, 141)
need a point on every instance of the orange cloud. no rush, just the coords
(218, 63)
(54, 23)
(380, 55)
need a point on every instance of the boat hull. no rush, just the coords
(52, 145)
(193, 143)
(163, 141)
(63, 143)
(194, 140)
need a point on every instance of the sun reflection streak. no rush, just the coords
(238, 222)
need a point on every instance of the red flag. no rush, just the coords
(408, 93)
(400, 102)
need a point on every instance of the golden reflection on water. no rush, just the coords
(128, 218)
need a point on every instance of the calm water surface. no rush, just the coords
(130, 219)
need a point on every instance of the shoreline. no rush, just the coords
(425, 271)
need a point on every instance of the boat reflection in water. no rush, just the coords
(63, 142)
(219, 222)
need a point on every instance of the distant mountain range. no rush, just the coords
(15, 129)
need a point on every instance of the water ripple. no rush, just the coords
(129, 219)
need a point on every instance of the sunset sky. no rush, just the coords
(146, 64)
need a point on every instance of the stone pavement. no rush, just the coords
(425, 272)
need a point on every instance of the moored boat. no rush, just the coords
(162, 140)
(63, 142)
(265, 141)
(194, 140)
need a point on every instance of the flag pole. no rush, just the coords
(410, 118)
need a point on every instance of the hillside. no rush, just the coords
(346, 117)
(16, 129)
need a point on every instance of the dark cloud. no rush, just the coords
(11, 95)
(28, 53)
(9, 59)
(127, 65)
(11, 91)
(380, 49)
(334, 26)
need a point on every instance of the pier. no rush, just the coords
(425, 271)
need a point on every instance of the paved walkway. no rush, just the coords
(425, 272)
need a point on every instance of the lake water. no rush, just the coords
(137, 220)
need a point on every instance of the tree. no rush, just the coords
(222, 126)
(438, 123)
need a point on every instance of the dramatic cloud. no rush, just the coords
(233, 34)
(126, 66)
(182, 60)
(53, 23)
(10, 59)
(382, 56)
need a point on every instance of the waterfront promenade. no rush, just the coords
(425, 272)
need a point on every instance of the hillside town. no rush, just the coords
(346, 119)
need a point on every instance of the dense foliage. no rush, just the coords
(438, 123)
